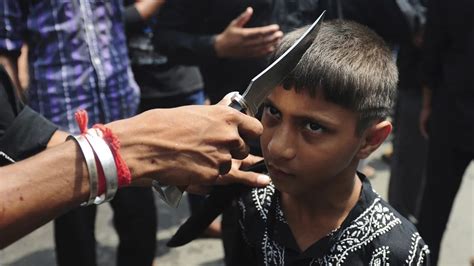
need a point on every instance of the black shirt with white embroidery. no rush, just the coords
(372, 234)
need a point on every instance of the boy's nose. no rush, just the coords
(282, 144)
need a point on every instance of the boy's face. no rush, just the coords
(307, 141)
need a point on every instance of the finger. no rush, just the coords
(247, 178)
(250, 160)
(265, 40)
(259, 32)
(243, 18)
(249, 127)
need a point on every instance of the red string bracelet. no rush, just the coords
(123, 172)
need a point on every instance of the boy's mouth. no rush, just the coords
(278, 173)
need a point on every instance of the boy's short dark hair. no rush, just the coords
(351, 65)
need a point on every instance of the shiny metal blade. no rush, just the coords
(262, 84)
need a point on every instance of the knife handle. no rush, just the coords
(239, 104)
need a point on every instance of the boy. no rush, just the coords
(329, 113)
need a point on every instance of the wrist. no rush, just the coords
(217, 43)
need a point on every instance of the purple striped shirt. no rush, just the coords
(78, 57)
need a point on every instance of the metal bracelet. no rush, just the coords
(89, 157)
(106, 158)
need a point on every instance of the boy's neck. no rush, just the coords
(315, 214)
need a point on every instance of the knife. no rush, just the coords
(259, 88)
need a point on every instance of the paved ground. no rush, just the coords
(37, 248)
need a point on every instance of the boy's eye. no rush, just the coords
(269, 109)
(314, 127)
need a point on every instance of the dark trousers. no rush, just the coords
(409, 156)
(446, 164)
(135, 220)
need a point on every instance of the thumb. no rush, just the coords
(243, 18)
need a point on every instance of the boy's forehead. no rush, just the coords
(303, 103)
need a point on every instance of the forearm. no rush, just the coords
(57, 138)
(38, 189)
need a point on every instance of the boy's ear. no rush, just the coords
(373, 137)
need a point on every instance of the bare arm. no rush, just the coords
(38, 189)
(57, 138)
(179, 146)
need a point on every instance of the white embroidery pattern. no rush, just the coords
(4, 155)
(262, 198)
(376, 220)
(273, 253)
(422, 253)
(279, 212)
(380, 257)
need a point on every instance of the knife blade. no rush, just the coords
(258, 89)
(262, 84)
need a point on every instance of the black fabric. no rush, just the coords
(448, 60)
(448, 63)
(131, 18)
(9, 105)
(23, 132)
(156, 76)
(373, 232)
(27, 135)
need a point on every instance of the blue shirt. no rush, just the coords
(78, 58)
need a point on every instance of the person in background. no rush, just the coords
(409, 146)
(163, 84)
(447, 114)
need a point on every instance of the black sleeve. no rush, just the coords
(28, 134)
(178, 32)
(237, 250)
(10, 106)
(23, 132)
(433, 45)
(132, 19)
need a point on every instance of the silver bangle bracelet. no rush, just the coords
(106, 158)
(89, 157)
